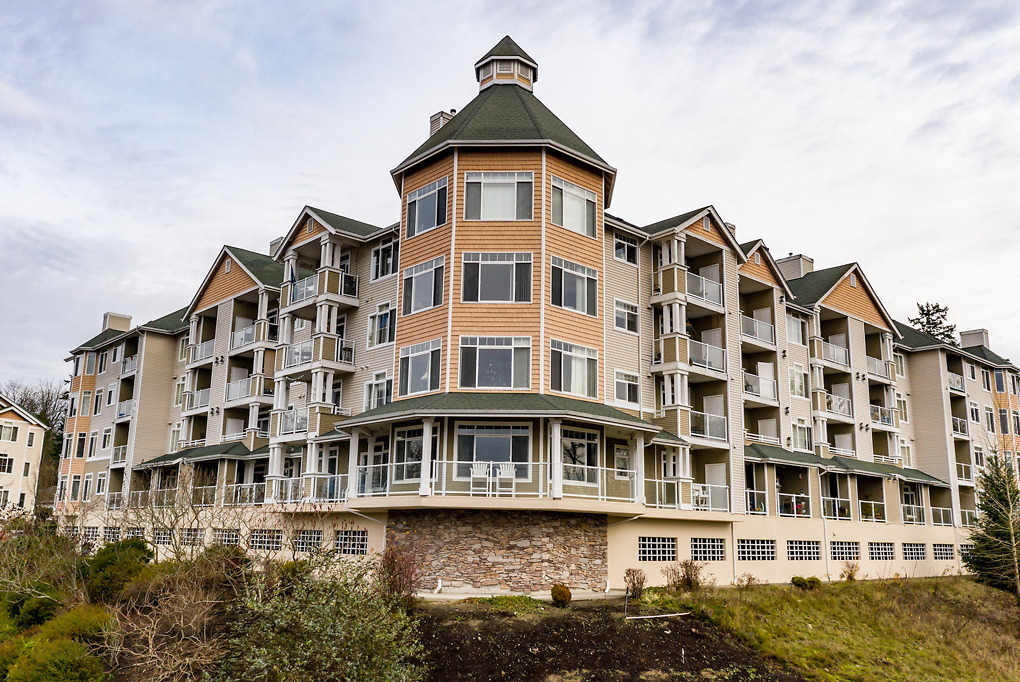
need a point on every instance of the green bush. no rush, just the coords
(62, 660)
(9, 653)
(33, 605)
(113, 567)
(561, 595)
(87, 623)
(811, 583)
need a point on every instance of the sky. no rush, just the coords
(136, 138)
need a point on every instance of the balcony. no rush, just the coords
(237, 494)
(704, 289)
(199, 399)
(236, 390)
(872, 511)
(164, 497)
(288, 490)
(964, 471)
(129, 364)
(297, 354)
(835, 354)
(941, 516)
(886, 416)
(712, 426)
(838, 405)
(912, 513)
(304, 289)
(704, 355)
(759, 438)
(956, 383)
(760, 387)
(758, 330)
(836, 508)
(114, 500)
(202, 351)
(842, 452)
(203, 496)
(968, 517)
(959, 426)
(125, 408)
(329, 487)
(706, 497)
(757, 502)
(794, 505)
(119, 454)
(878, 367)
(294, 421)
(242, 337)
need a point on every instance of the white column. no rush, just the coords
(263, 305)
(555, 459)
(253, 417)
(280, 394)
(275, 471)
(639, 467)
(425, 487)
(352, 464)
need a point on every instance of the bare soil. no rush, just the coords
(587, 642)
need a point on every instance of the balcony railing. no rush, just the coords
(138, 499)
(836, 508)
(294, 421)
(836, 354)
(708, 426)
(345, 351)
(794, 505)
(114, 500)
(956, 383)
(704, 355)
(872, 511)
(757, 502)
(912, 513)
(289, 490)
(242, 337)
(244, 494)
(348, 285)
(198, 399)
(878, 367)
(705, 289)
(757, 329)
(202, 351)
(835, 404)
(124, 408)
(329, 487)
(129, 364)
(964, 471)
(164, 497)
(203, 496)
(231, 437)
(883, 415)
(959, 426)
(298, 354)
(968, 517)
(707, 497)
(942, 516)
(304, 289)
(759, 386)
(119, 454)
(759, 438)
(239, 389)
(842, 452)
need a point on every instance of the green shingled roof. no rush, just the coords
(771, 453)
(506, 48)
(265, 270)
(915, 338)
(879, 469)
(344, 224)
(812, 286)
(99, 339)
(665, 436)
(747, 246)
(497, 403)
(505, 114)
(235, 449)
(987, 355)
(760, 452)
(170, 323)
(669, 223)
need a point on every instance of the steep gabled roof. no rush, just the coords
(988, 355)
(813, 286)
(750, 247)
(6, 403)
(262, 268)
(917, 339)
(508, 48)
(684, 220)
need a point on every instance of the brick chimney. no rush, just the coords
(795, 266)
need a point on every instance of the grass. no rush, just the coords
(513, 605)
(922, 629)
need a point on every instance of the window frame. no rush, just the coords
(521, 269)
(438, 187)
(391, 244)
(801, 325)
(798, 371)
(657, 549)
(589, 438)
(634, 314)
(384, 308)
(433, 349)
(436, 269)
(511, 343)
(576, 192)
(589, 355)
(481, 178)
(620, 377)
(561, 268)
(379, 379)
(483, 430)
(630, 246)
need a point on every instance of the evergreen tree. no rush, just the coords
(932, 318)
(995, 557)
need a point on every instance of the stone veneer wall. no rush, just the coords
(505, 551)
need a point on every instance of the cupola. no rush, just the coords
(506, 64)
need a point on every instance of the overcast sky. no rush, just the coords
(138, 137)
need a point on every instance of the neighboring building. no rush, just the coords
(21, 447)
(532, 389)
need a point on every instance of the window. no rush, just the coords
(498, 196)
(90, 533)
(98, 406)
(93, 443)
(90, 363)
(965, 550)
(5, 498)
(495, 362)
(914, 551)
(626, 316)
(941, 552)
(379, 391)
(901, 407)
(423, 285)
(419, 367)
(426, 208)
(182, 348)
(803, 550)
(580, 455)
(621, 463)
(6, 464)
(102, 362)
(351, 541)
(906, 456)
(626, 388)
(708, 549)
(134, 532)
(80, 450)
(230, 537)
(101, 483)
(382, 326)
(796, 329)
(853, 280)
(625, 248)
(801, 437)
(881, 551)
(986, 380)
(575, 287)
(115, 353)
(497, 278)
(901, 364)
(299, 323)
(798, 381)
(86, 403)
(979, 456)
(9, 432)
(843, 550)
(226, 265)
(574, 369)
(179, 392)
(1016, 422)
(409, 445)
(1003, 421)
(975, 413)
(385, 258)
(110, 394)
(111, 534)
(26, 470)
(989, 420)
(656, 549)
(266, 540)
(162, 536)
(756, 550)
(307, 540)
(495, 444)
(192, 537)
(1000, 381)
(573, 207)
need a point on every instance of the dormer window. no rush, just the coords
(525, 71)
(486, 71)
(504, 66)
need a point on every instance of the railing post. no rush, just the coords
(639, 467)
(555, 459)
(425, 487)
(352, 464)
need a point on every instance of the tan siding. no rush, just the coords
(224, 285)
(154, 395)
(760, 271)
(713, 235)
(855, 301)
(302, 235)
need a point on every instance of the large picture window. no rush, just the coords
(497, 278)
(573, 207)
(580, 456)
(423, 285)
(408, 448)
(574, 369)
(575, 286)
(494, 444)
(495, 362)
(426, 208)
(498, 196)
(419, 367)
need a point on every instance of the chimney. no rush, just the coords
(732, 228)
(273, 245)
(796, 266)
(438, 120)
(975, 337)
(116, 321)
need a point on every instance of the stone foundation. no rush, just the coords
(505, 551)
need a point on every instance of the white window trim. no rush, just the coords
(578, 270)
(481, 209)
(371, 324)
(513, 339)
(413, 271)
(475, 424)
(600, 442)
(616, 379)
(632, 241)
(417, 194)
(423, 348)
(391, 242)
(583, 351)
(513, 262)
(580, 192)
(637, 317)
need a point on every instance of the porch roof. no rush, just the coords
(234, 449)
(759, 452)
(879, 469)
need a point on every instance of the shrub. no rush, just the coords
(9, 653)
(684, 576)
(113, 567)
(811, 583)
(399, 572)
(62, 660)
(745, 580)
(634, 578)
(561, 595)
(33, 605)
(87, 623)
(850, 571)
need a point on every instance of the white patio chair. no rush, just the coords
(480, 478)
(506, 478)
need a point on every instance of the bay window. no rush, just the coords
(498, 196)
(574, 369)
(495, 362)
(497, 278)
(573, 207)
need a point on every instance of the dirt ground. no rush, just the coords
(587, 642)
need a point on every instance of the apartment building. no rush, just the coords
(21, 446)
(532, 389)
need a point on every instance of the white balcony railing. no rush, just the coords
(794, 505)
(941, 516)
(912, 513)
(297, 354)
(959, 426)
(242, 337)
(964, 471)
(756, 502)
(705, 289)
(129, 364)
(114, 500)
(304, 289)
(198, 399)
(202, 351)
(842, 452)
(836, 354)
(886, 416)
(708, 425)
(244, 494)
(956, 382)
(203, 496)
(124, 408)
(706, 497)
(835, 404)
(759, 438)
(757, 329)
(968, 517)
(288, 490)
(231, 437)
(872, 511)
(836, 508)
(704, 355)
(239, 389)
(878, 367)
(759, 386)
(119, 455)
(294, 421)
(329, 487)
